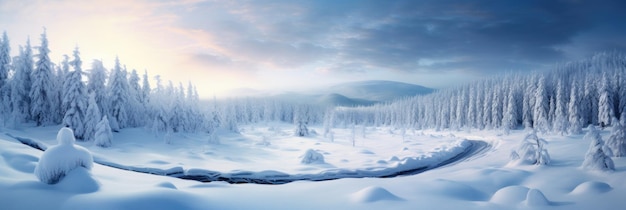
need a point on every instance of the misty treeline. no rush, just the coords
(33, 89)
(564, 100)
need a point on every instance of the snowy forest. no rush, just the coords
(563, 100)
(34, 89)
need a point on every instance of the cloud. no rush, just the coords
(324, 37)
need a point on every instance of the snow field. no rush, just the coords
(485, 181)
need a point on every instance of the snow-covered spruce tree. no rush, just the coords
(5, 59)
(575, 118)
(21, 83)
(76, 99)
(532, 150)
(97, 85)
(92, 117)
(605, 104)
(103, 137)
(41, 92)
(62, 75)
(118, 97)
(540, 111)
(145, 89)
(301, 119)
(510, 117)
(596, 158)
(57, 161)
(560, 119)
(136, 111)
(617, 140)
(177, 115)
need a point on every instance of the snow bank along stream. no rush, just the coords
(457, 152)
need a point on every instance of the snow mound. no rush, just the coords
(536, 198)
(592, 187)
(311, 157)
(167, 185)
(373, 194)
(78, 180)
(56, 162)
(510, 195)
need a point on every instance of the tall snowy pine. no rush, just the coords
(118, 97)
(605, 104)
(540, 111)
(596, 158)
(97, 85)
(5, 59)
(92, 118)
(41, 95)
(21, 84)
(103, 136)
(76, 99)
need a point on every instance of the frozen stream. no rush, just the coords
(403, 167)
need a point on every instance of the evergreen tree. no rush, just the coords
(5, 59)
(575, 118)
(96, 85)
(75, 98)
(103, 136)
(136, 110)
(510, 117)
(596, 158)
(145, 89)
(605, 105)
(560, 119)
(21, 84)
(92, 118)
(540, 111)
(118, 97)
(617, 140)
(41, 95)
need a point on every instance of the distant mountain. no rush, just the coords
(363, 93)
(341, 100)
(379, 90)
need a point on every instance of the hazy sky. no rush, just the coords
(290, 44)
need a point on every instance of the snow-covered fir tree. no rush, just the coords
(92, 117)
(97, 85)
(617, 139)
(596, 158)
(21, 83)
(103, 137)
(41, 92)
(118, 97)
(76, 99)
(5, 59)
(532, 150)
(605, 104)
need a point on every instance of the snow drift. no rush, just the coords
(57, 161)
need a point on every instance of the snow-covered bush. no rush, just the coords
(57, 161)
(596, 159)
(311, 156)
(617, 140)
(301, 129)
(531, 151)
(104, 135)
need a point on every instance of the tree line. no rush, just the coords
(573, 95)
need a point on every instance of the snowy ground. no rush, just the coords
(482, 181)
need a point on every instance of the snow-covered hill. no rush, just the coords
(379, 90)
